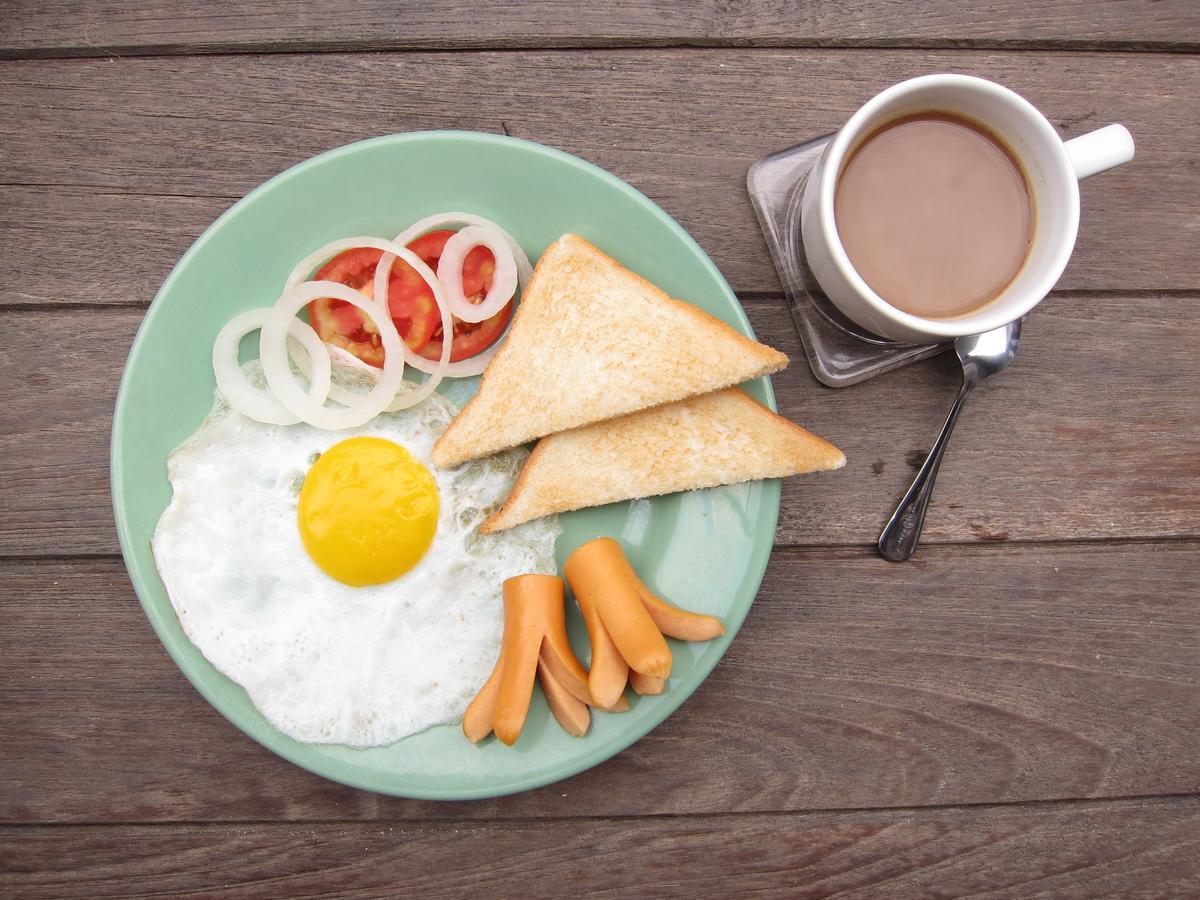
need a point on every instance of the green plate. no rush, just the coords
(704, 550)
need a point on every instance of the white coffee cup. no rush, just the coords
(1053, 168)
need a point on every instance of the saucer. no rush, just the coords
(840, 351)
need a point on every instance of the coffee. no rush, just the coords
(935, 214)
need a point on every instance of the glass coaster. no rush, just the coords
(840, 351)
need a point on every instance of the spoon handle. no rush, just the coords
(900, 535)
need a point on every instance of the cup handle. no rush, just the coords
(1099, 150)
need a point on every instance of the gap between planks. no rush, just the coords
(1065, 804)
(300, 48)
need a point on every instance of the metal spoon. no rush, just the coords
(981, 355)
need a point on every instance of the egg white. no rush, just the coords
(322, 661)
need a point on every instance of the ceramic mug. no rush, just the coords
(1053, 169)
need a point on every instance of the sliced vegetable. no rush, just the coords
(399, 281)
(470, 340)
(448, 219)
(408, 298)
(303, 270)
(257, 403)
(450, 272)
(473, 344)
(415, 395)
(273, 352)
(411, 304)
(368, 274)
(476, 270)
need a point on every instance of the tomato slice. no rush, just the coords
(429, 246)
(415, 313)
(469, 337)
(353, 268)
(410, 302)
(478, 267)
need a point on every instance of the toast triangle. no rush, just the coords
(719, 438)
(592, 340)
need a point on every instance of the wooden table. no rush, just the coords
(1014, 711)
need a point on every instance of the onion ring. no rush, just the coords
(439, 220)
(283, 336)
(345, 396)
(303, 269)
(465, 368)
(256, 403)
(436, 369)
(337, 393)
(391, 250)
(415, 392)
(504, 279)
(382, 284)
(274, 354)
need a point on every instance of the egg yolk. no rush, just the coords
(368, 511)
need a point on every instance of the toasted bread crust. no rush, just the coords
(591, 340)
(724, 437)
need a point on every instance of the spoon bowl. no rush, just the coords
(983, 355)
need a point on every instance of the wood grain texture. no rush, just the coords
(972, 676)
(1037, 455)
(120, 163)
(1011, 714)
(1125, 849)
(128, 27)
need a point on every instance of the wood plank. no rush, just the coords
(127, 27)
(1127, 849)
(127, 159)
(1084, 452)
(973, 676)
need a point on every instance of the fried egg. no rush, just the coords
(340, 578)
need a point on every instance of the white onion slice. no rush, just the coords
(414, 393)
(391, 249)
(256, 403)
(305, 268)
(382, 271)
(474, 365)
(337, 393)
(442, 367)
(345, 396)
(274, 353)
(463, 368)
(443, 220)
(504, 279)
